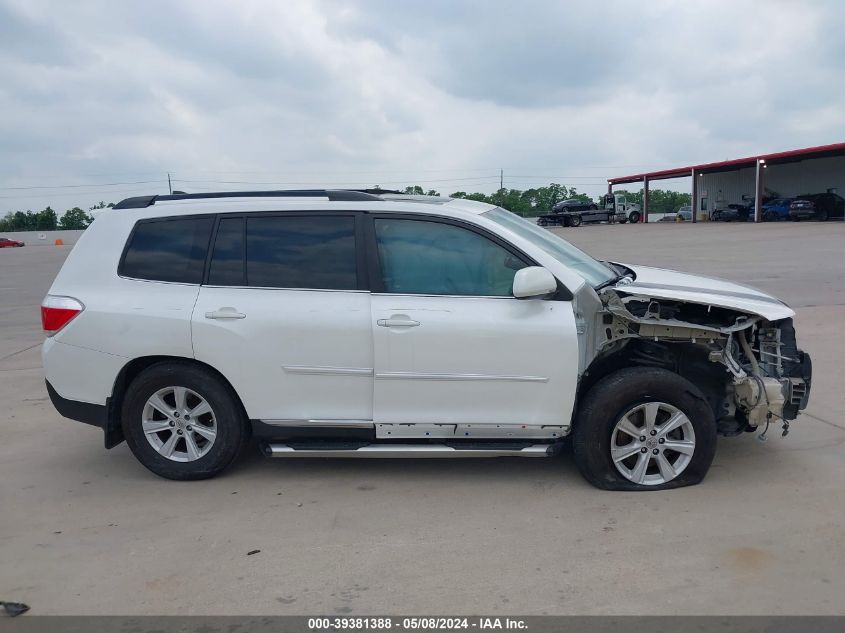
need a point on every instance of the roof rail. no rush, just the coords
(335, 195)
(138, 202)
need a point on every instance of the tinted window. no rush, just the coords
(168, 250)
(419, 257)
(301, 252)
(227, 258)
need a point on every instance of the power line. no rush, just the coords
(76, 186)
(337, 183)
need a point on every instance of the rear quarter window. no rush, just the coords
(168, 249)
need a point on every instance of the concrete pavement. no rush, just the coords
(89, 531)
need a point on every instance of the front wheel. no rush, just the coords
(182, 421)
(823, 215)
(644, 429)
(634, 217)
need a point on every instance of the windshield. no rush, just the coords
(593, 271)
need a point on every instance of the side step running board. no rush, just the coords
(407, 450)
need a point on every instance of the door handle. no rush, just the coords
(225, 313)
(397, 323)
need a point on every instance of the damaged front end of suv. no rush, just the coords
(736, 344)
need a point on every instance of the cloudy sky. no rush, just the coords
(99, 100)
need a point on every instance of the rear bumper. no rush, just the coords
(99, 415)
(85, 412)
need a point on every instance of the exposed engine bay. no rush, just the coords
(749, 369)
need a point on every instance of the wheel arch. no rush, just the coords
(112, 431)
(684, 359)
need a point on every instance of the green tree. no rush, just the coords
(75, 218)
(46, 220)
(659, 200)
(416, 190)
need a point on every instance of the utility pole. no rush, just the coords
(501, 179)
(169, 186)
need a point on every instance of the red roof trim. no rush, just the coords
(680, 172)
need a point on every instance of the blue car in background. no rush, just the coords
(777, 209)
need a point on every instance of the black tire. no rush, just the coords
(716, 217)
(634, 217)
(542, 222)
(232, 424)
(611, 397)
(770, 216)
(575, 220)
(822, 215)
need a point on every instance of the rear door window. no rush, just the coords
(227, 256)
(315, 252)
(168, 249)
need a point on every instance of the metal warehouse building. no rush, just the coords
(787, 174)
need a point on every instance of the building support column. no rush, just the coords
(758, 191)
(694, 195)
(644, 215)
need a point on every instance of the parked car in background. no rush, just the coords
(817, 206)
(733, 213)
(684, 214)
(574, 204)
(777, 209)
(574, 212)
(6, 242)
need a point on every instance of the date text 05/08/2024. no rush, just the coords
(414, 623)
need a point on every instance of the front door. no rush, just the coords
(451, 343)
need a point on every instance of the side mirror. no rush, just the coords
(533, 281)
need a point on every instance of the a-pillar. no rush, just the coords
(644, 215)
(758, 191)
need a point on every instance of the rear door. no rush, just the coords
(284, 314)
(452, 345)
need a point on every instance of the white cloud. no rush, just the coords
(437, 93)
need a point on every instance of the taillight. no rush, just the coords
(57, 312)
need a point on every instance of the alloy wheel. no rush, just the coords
(179, 424)
(652, 443)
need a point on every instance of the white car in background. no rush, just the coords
(349, 324)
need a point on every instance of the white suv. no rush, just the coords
(361, 324)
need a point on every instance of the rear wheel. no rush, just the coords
(182, 421)
(644, 429)
(575, 220)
